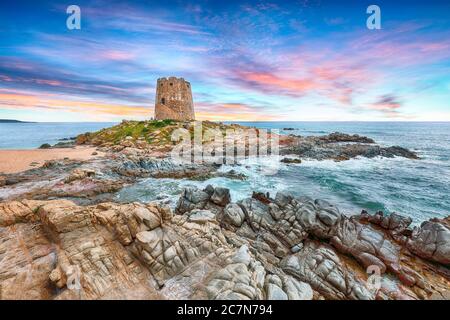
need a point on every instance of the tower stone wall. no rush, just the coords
(174, 99)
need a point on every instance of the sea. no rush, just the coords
(416, 188)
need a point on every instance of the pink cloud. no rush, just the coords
(117, 55)
(387, 104)
(270, 81)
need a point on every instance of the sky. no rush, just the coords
(304, 60)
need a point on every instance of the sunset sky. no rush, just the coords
(258, 60)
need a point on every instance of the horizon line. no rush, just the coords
(241, 121)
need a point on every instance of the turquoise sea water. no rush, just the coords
(418, 188)
(32, 135)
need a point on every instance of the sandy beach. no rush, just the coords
(13, 161)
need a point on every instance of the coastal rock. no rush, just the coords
(89, 264)
(287, 288)
(16, 212)
(399, 152)
(27, 258)
(291, 160)
(343, 137)
(368, 246)
(341, 147)
(395, 224)
(213, 199)
(242, 279)
(297, 290)
(201, 216)
(259, 248)
(79, 174)
(319, 266)
(192, 199)
(233, 214)
(221, 196)
(431, 241)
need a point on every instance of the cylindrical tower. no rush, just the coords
(174, 99)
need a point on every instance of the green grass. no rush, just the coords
(134, 129)
(156, 132)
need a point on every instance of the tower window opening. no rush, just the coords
(163, 101)
(171, 84)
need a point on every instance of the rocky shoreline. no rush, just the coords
(64, 236)
(212, 248)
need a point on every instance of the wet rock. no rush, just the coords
(221, 196)
(341, 147)
(213, 199)
(399, 152)
(343, 137)
(291, 160)
(192, 198)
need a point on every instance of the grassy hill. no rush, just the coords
(152, 132)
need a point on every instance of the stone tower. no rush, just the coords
(174, 99)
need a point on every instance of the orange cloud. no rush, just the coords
(231, 111)
(31, 101)
(214, 116)
(268, 79)
(205, 111)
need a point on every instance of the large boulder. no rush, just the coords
(241, 279)
(431, 241)
(319, 266)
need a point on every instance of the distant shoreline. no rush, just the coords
(14, 121)
(246, 121)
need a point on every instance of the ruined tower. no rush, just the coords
(174, 99)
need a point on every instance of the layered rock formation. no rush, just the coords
(211, 248)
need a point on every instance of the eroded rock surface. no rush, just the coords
(211, 248)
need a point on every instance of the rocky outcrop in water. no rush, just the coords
(154, 137)
(212, 248)
(343, 137)
(340, 147)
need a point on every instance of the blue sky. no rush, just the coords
(246, 60)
